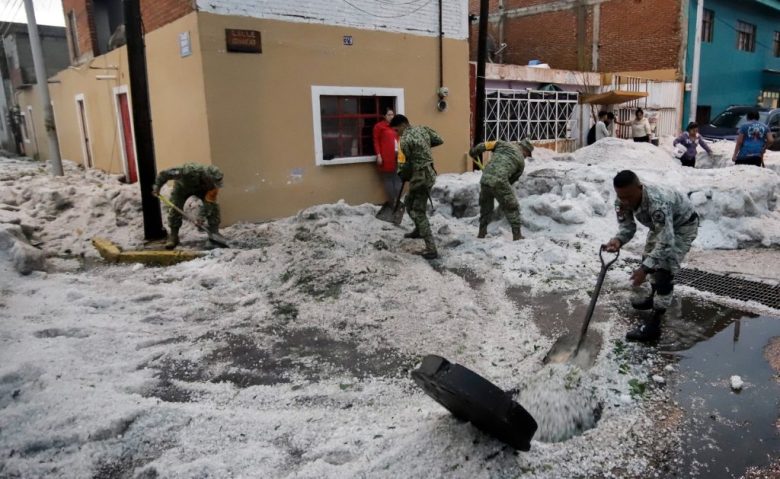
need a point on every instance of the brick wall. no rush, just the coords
(85, 29)
(156, 13)
(634, 35)
(418, 18)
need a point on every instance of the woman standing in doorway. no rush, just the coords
(386, 147)
(640, 127)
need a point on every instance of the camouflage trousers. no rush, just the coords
(505, 194)
(209, 211)
(662, 279)
(416, 201)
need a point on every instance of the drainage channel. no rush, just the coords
(728, 286)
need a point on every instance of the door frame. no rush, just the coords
(117, 91)
(86, 136)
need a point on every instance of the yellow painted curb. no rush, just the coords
(111, 253)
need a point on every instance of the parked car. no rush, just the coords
(726, 125)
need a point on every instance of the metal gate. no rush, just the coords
(545, 117)
(661, 105)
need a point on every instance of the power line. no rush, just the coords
(738, 31)
(398, 4)
(13, 14)
(389, 16)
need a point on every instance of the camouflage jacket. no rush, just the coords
(193, 177)
(506, 164)
(662, 210)
(416, 144)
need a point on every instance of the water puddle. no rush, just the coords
(723, 432)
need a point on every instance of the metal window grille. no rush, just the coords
(541, 116)
(746, 36)
(707, 26)
(347, 124)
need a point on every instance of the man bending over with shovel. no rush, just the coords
(673, 226)
(191, 180)
(505, 167)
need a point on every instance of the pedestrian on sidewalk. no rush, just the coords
(386, 149)
(415, 145)
(673, 225)
(752, 141)
(690, 139)
(640, 127)
(504, 169)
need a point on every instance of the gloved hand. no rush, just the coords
(473, 153)
(155, 191)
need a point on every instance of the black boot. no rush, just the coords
(645, 304)
(649, 331)
(516, 235)
(430, 249)
(482, 231)
(413, 235)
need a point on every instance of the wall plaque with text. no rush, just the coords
(243, 41)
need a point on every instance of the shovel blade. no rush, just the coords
(390, 214)
(219, 240)
(564, 350)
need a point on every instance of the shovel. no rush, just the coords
(393, 214)
(567, 347)
(214, 237)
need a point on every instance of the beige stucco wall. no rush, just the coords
(38, 145)
(260, 108)
(176, 94)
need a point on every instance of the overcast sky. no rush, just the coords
(47, 12)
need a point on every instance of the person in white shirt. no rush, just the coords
(640, 127)
(602, 130)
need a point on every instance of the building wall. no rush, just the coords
(401, 17)
(260, 108)
(176, 94)
(156, 13)
(633, 35)
(729, 76)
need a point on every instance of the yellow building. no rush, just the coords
(281, 97)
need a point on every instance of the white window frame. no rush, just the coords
(118, 90)
(84, 146)
(318, 91)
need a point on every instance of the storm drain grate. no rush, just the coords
(735, 288)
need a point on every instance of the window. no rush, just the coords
(770, 99)
(344, 119)
(707, 26)
(746, 37)
(73, 36)
(777, 44)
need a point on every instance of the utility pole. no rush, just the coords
(479, 117)
(55, 163)
(142, 120)
(696, 62)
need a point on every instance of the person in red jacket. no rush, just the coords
(386, 148)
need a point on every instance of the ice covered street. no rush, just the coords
(289, 355)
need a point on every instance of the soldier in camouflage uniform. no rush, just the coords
(505, 167)
(417, 169)
(673, 225)
(191, 180)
